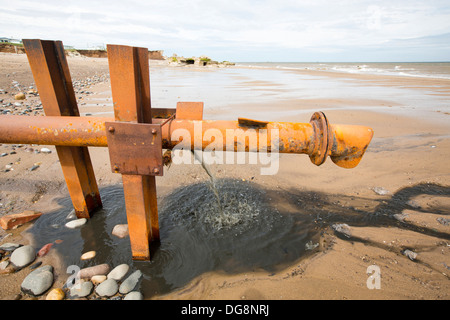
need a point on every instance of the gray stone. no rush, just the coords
(76, 223)
(107, 288)
(23, 256)
(9, 246)
(134, 295)
(119, 272)
(130, 283)
(410, 254)
(342, 228)
(81, 289)
(38, 281)
(380, 191)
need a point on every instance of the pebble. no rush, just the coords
(23, 256)
(119, 272)
(120, 230)
(20, 96)
(55, 294)
(9, 246)
(46, 150)
(35, 265)
(444, 221)
(4, 264)
(134, 295)
(107, 288)
(89, 272)
(98, 279)
(38, 281)
(76, 223)
(45, 249)
(380, 191)
(130, 283)
(34, 167)
(88, 255)
(342, 228)
(410, 254)
(81, 289)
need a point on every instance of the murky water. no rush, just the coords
(248, 233)
(256, 229)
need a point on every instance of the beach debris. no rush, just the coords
(444, 221)
(38, 281)
(10, 221)
(23, 256)
(45, 249)
(76, 223)
(410, 254)
(380, 191)
(342, 228)
(413, 204)
(400, 216)
(311, 246)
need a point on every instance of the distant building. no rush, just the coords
(10, 40)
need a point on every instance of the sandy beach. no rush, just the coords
(391, 202)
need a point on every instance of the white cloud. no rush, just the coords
(232, 25)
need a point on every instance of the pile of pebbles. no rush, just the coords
(21, 99)
(98, 282)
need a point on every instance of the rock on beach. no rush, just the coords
(38, 281)
(130, 283)
(23, 256)
(107, 288)
(119, 272)
(76, 223)
(89, 272)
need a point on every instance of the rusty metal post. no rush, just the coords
(130, 85)
(51, 74)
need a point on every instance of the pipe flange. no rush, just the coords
(322, 140)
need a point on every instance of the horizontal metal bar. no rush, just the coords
(346, 147)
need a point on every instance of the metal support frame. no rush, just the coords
(137, 134)
(51, 73)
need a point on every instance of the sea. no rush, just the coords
(437, 70)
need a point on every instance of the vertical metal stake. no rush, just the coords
(130, 85)
(51, 73)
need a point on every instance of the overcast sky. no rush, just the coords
(244, 30)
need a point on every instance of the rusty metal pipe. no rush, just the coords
(346, 143)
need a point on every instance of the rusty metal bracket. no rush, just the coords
(135, 148)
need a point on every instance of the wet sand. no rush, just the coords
(408, 158)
